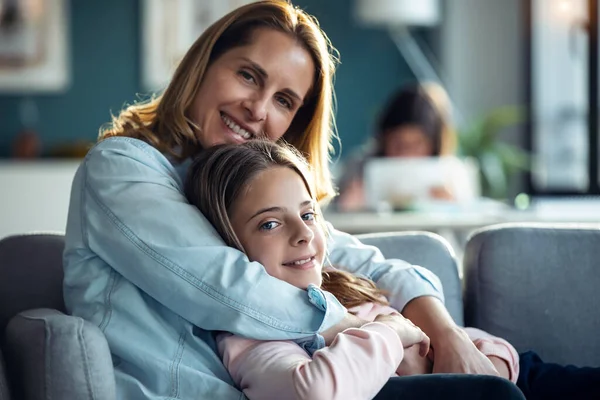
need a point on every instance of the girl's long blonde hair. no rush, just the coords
(220, 174)
(164, 121)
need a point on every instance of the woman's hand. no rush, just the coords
(456, 353)
(349, 321)
(409, 333)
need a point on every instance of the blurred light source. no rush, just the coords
(394, 13)
(565, 5)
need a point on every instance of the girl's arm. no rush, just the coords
(499, 351)
(127, 208)
(356, 365)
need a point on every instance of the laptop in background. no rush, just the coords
(407, 183)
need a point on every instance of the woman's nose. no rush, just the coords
(256, 107)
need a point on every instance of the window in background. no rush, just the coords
(560, 96)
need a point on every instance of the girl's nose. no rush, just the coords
(303, 235)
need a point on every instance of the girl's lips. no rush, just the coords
(311, 263)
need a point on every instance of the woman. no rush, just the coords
(147, 268)
(415, 123)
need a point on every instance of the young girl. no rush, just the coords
(260, 199)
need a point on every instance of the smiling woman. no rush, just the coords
(149, 269)
(249, 93)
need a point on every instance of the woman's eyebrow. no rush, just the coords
(261, 71)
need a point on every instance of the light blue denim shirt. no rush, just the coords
(152, 273)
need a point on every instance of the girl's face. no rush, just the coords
(407, 141)
(274, 219)
(253, 91)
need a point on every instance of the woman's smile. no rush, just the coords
(235, 130)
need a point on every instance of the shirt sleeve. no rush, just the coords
(495, 346)
(135, 217)
(356, 365)
(401, 280)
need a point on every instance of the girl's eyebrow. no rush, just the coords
(278, 209)
(268, 209)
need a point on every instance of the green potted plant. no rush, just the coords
(498, 161)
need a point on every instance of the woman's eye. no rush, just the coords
(267, 226)
(284, 102)
(247, 76)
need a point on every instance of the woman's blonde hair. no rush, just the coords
(218, 177)
(164, 122)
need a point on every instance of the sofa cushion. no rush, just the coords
(430, 251)
(537, 287)
(42, 344)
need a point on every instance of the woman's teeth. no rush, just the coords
(236, 128)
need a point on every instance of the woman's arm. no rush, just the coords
(356, 365)
(402, 281)
(454, 352)
(127, 208)
(418, 293)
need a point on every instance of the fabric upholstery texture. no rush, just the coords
(59, 357)
(4, 391)
(427, 250)
(52, 355)
(537, 287)
(32, 274)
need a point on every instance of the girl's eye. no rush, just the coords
(309, 216)
(268, 226)
(284, 102)
(247, 76)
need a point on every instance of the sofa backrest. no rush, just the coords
(537, 287)
(428, 250)
(32, 274)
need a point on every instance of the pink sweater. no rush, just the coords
(355, 366)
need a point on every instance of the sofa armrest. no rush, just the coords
(430, 251)
(53, 355)
(536, 285)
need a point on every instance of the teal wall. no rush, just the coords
(105, 73)
(104, 48)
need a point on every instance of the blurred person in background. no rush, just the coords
(415, 123)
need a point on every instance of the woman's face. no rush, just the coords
(253, 91)
(407, 141)
(274, 219)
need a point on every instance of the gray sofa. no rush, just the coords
(513, 277)
(537, 286)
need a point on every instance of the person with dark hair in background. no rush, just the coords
(414, 123)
